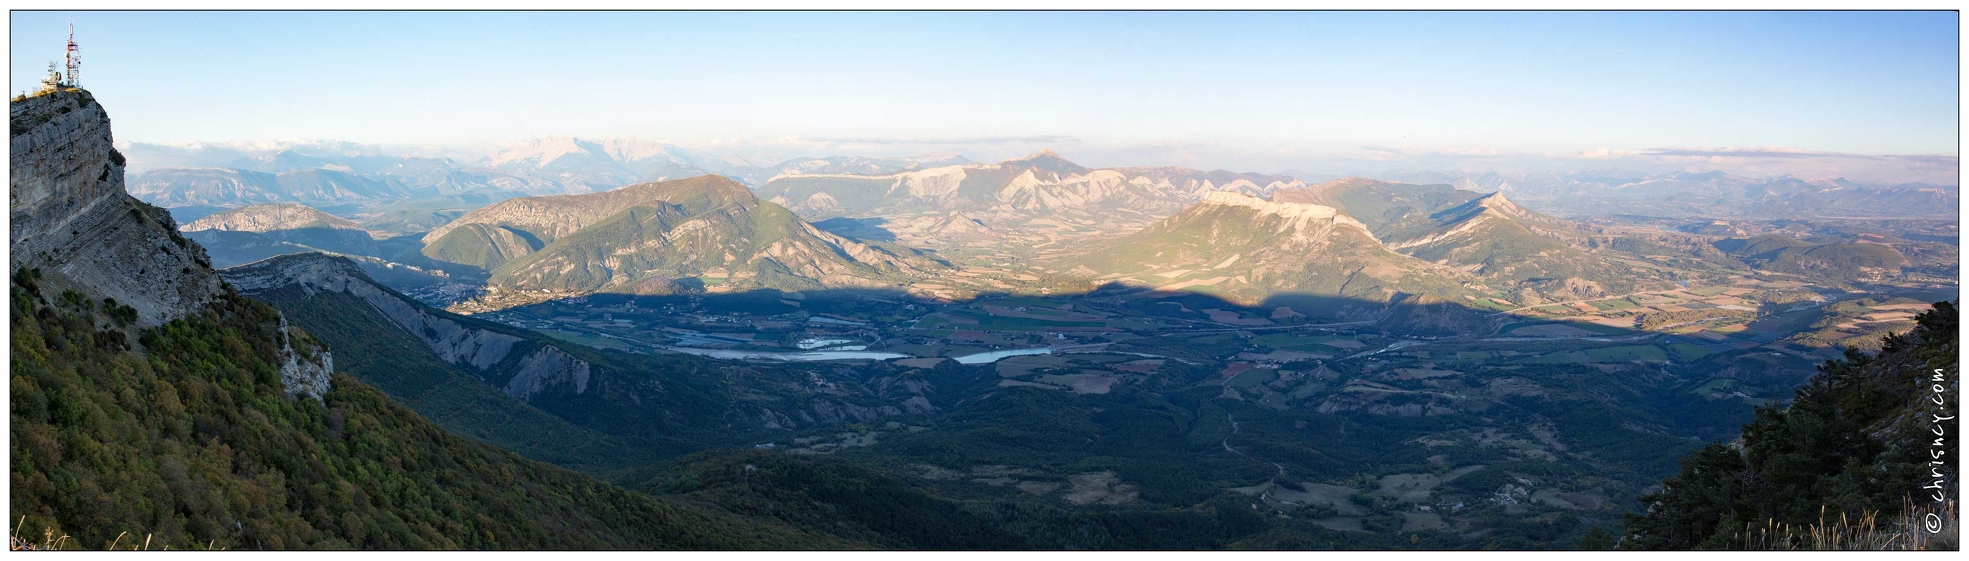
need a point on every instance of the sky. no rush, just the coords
(1240, 90)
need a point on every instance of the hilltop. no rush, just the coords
(252, 233)
(1537, 257)
(1250, 248)
(703, 233)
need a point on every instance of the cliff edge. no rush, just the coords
(73, 220)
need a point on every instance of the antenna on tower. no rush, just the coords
(74, 57)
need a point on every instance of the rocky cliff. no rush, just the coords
(478, 351)
(72, 219)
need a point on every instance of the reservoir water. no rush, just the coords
(993, 356)
(728, 354)
(851, 353)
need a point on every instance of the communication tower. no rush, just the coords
(74, 58)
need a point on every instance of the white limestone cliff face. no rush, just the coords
(72, 219)
(1301, 217)
(477, 350)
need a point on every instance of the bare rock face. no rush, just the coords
(480, 351)
(545, 368)
(72, 219)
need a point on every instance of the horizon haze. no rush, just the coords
(1867, 96)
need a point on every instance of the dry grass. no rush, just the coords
(1913, 530)
(51, 542)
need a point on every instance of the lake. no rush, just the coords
(993, 356)
(728, 354)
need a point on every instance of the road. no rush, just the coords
(1269, 483)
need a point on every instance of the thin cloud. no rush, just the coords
(1413, 152)
(1789, 153)
(1050, 138)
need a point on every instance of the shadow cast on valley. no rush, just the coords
(865, 229)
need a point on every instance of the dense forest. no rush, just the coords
(193, 444)
(860, 499)
(1856, 443)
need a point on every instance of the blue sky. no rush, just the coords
(1277, 83)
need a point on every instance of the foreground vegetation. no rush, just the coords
(194, 445)
(1854, 446)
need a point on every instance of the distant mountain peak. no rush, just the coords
(1049, 161)
(1495, 201)
(1345, 182)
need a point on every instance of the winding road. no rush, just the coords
(1269, 483)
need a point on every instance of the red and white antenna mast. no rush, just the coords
(74, 57)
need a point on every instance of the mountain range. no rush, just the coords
(1043, 193)
(215, 175)
(342, 174)
(711, 233)
(1710, 193)
(1371, 240)
(1485, 234)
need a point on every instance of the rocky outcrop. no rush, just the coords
(828, 412)
(546, 368)
(72, 219)
(305, 365)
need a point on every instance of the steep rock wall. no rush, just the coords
(72, 219)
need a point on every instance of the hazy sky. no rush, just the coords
(1269, 87)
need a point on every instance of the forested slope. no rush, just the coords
(196, 445)
(1857, 439)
